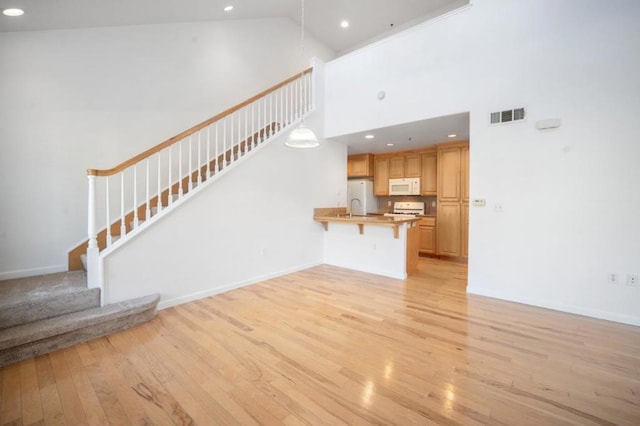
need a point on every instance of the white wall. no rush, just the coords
(571, 196)
(253, 223)
(91, 98)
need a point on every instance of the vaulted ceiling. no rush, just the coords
(368, 19)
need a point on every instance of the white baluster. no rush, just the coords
(199, 159)
(136, 221)
(108, 212)
(147, 212)
(180, 189)
(281, 121)
(123, 226)
(253, 124)
(240, 152)
(224, 141)
(232, 140)
(217, 163)
(270, 123)
(170, 196)
(287, 108)
(190, 168)
(246, 129)
(264, 119)
(159, 203)
(208, 169)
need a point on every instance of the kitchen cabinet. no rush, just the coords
(428, 181)
(464, 173)
(427, 231)
(412, 165)
(449, 173)
(360, 166)
(453, 199)
(464, 233)
(381, 176)
(449, 232)
(396, 167)
(405, 166)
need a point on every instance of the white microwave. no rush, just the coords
(405, 186)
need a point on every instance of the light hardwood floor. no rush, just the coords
(332, 346)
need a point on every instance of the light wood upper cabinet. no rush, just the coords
(449, 174)
(396, 167)
(360, 166)
(464, 173)
(428, 182)
(412, 165)
(381, 176)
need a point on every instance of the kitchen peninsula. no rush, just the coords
(377, 244)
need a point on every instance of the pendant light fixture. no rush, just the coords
(302, 136)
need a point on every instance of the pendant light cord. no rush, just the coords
(301, 61)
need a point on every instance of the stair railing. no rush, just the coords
(132, 194)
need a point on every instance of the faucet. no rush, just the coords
(351, 206)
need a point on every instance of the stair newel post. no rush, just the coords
(93, 253)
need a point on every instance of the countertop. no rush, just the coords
(340, 215)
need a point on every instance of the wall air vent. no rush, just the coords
(507, 116)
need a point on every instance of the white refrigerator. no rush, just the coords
(360, 199)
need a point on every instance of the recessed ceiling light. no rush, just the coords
(389, 144)
(13, 12)
(452, 135)
(228, 8)
(369, 136)
(344, 24)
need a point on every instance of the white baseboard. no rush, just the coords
(231, 286)
(32, 272)
(588, 312)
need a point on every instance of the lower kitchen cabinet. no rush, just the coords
(427, 230)
(449, 232)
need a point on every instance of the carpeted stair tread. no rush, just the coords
(45, 336)
(15, 289)
(32, 299)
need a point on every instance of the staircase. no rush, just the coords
(128, 198)
(42, 314)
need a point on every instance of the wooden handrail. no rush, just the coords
(148, 153)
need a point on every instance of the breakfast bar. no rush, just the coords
(377, 244)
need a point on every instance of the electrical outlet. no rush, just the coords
(633, 280)
(388, 203)
(612, 278)
(497, 207)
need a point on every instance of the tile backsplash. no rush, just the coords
(429, 206)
